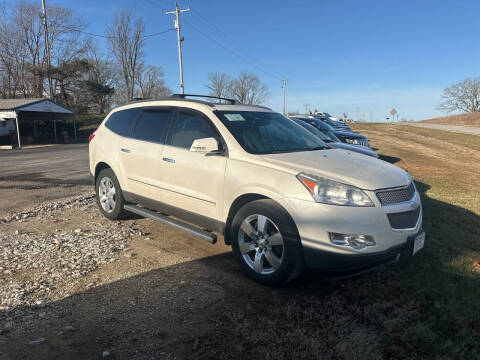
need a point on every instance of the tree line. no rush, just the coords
(86, 78)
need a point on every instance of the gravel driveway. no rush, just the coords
(453, 128)
(31, 176)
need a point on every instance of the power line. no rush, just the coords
(235, 54)
(217, 29)
(111, 37)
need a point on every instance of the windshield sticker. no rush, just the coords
(234, 117)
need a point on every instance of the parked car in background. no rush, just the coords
(338, 125)
(279, 195)
(344, 136)
(334, 141)
(333, 118)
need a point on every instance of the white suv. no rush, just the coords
(280, 196)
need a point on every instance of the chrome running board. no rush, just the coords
(202, 234)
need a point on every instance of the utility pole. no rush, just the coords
(43, 16)
(307, 109)
(177, 13)
(284, 86)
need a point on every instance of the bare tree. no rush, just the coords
(100, 81)
(220, 84)
(22, 49)
(151, 83)
(463, 96)
(126, 38)
(248, 89)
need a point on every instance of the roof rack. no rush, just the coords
(137, 100)
(183, 96)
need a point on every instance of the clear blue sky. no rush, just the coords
(337, 55)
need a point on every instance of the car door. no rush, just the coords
(142, 152)
(193, 181)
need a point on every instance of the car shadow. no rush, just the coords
(205, 308)
(390, 159)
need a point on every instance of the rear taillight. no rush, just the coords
(90, 138)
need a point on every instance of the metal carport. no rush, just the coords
(27, 114)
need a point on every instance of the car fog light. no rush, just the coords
(354, 241)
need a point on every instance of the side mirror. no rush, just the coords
(205, 145)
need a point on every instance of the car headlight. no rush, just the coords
(352, 141)
(331, 192)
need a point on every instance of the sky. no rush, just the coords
(355, 57)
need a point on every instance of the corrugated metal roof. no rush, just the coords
(12, 104)
(33, 104)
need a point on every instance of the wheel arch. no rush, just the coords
(237, 205)
(99, 167)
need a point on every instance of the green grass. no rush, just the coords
(440, 281)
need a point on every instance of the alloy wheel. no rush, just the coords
(106, 194)
(261, 244)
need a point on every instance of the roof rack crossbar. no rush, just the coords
(183, 96)
(139, 100)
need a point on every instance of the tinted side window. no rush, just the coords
(152, 126)
(121, 122)
(188, 128)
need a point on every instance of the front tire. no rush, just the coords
(109, 195)
(266, 243)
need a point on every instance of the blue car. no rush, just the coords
(337, 125)
(331, 139)
(344, 136)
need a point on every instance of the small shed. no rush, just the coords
(35, 121)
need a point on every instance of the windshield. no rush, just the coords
(332, 136)
(323, 127)
(268, 132)
(314, 130)
(329, 122)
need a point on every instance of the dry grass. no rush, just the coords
(442, 280)
(462, 119)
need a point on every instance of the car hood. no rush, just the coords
(355, 148)
(343, 166)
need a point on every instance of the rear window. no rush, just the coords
(152, 126)
(121, 122)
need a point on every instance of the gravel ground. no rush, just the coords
(35, 264)
(74, 285)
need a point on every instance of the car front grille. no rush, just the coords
(387, 197)
(363, 142)
(404, 220)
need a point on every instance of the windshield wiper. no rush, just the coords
(317, 148)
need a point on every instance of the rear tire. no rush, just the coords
(109, 195)
(266, 243)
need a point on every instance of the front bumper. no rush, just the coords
(339, 266)
(314, 221)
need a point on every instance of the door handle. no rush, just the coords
(170, 160)
(126, 150)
